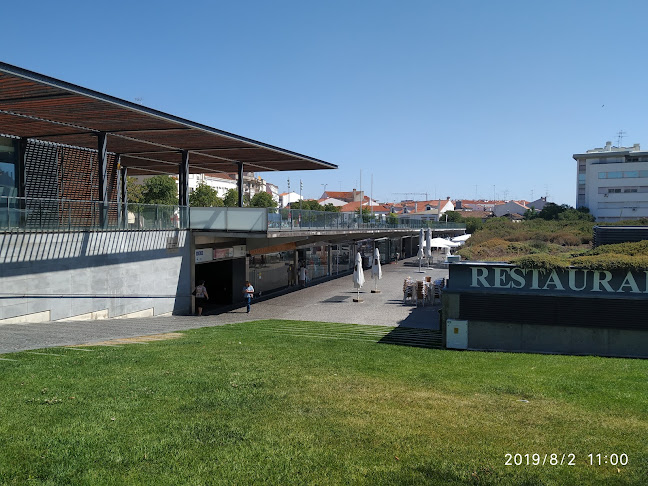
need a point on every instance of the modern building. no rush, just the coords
(68, 248)
(612, 182)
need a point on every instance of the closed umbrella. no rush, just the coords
(428, 246)
(358, 275)
(376, 270)
(461, 238)
(420, 251)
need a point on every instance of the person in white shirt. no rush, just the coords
(248, 293)
(303, 273)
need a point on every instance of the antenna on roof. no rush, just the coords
(620, 136)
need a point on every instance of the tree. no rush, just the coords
(308, 205)
(331, 208)
(231, 198)
(366, 213)
(134, 190)
(160, 189)
(263, 200)
(392, 219)
(453, 216)
(205, 196)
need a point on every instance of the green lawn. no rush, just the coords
(315, 403)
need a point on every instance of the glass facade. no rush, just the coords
(316, 259)
(340, 259)
(8, 156)
(270, 271)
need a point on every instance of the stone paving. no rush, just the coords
(330, 301)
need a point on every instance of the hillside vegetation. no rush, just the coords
(545, 244)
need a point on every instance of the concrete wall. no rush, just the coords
(52, 276)
(556, 339)
(533, 338)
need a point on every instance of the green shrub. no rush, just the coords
(612, 261)
(541, 261)
(632, 249)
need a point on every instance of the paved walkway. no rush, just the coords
(330, 301)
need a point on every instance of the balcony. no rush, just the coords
(63, 215)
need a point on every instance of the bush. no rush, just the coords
(541, 261)
(612, 261)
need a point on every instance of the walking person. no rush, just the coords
(303, 273)
(201, 296)
(248, 293)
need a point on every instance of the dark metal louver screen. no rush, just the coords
(555, 311)
(41, 181)
(608, 235)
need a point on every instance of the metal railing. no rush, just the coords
(32, 214)
(295, 219)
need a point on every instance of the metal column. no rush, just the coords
(118, 174)
(239, 184)
(21, 180)
(102, 166)
(183, 188)
(124, 196)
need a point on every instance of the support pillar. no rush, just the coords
(239, 184)
(124, 196)
(120, 214)
(21, 180)
(183, 189)
(102, 166)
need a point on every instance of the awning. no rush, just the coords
(149, 141)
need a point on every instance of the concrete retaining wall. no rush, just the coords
(534, 338)
(52, 276)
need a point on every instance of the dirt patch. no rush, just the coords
(134, 340)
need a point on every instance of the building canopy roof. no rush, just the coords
(149, 141)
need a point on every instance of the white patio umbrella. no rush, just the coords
(420, 251)
(440, 243)
(461, 238)
(376, 270)
(358, 275)
(428, 246)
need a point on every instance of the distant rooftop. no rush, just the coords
(609, 148)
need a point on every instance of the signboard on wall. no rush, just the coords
(203, 255)
(274, 248)
(220, 253)
(480, 276)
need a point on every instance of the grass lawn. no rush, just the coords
(315, 403)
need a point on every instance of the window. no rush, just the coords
(630, 189)
(614, 190)
(8, 154)
(631, 174)
(615, 175)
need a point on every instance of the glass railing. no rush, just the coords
(31, 214)
(295, 219)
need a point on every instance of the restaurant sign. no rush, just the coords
(509, 278)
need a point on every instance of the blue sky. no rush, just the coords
(457, 98)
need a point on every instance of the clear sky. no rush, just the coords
(464, 98)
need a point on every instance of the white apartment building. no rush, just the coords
(613, 182)
(220, 182)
